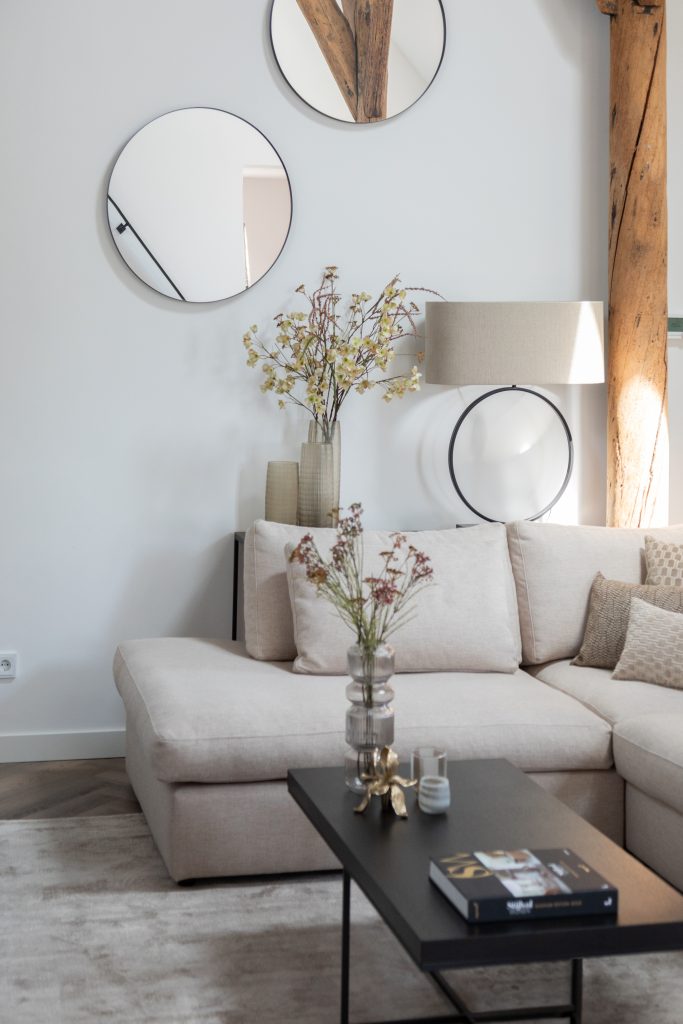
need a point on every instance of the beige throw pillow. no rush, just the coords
(653, 652)
(609, 609)
(465, 622)
(664, 563)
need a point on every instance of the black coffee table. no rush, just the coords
(494, 806)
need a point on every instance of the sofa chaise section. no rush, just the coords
(211, 734)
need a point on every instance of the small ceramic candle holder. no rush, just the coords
(434, 795)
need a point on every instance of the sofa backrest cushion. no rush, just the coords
(554, 567)
(465, 621)
(268, 628)
(474, 593)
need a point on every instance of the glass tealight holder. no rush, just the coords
(428, 761)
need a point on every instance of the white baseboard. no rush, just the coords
(62, 746)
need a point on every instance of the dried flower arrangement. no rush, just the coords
(373, 606)
(319, 357)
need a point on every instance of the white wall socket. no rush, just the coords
(8, 665)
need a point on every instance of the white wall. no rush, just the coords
(133, 438)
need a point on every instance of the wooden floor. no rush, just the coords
(65, 789)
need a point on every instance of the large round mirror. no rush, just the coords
(358, 60)
(199, 204)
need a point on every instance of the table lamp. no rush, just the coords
(497, 343)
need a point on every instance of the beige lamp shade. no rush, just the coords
(514, 343)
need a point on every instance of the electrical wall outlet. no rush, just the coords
(8, 665)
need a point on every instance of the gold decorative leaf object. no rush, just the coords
(384, 782)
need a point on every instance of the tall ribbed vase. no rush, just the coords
(319, 476)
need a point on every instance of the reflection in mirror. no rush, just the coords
(358, 60)
(199, 204)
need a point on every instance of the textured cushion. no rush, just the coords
(648, 752)
(664, 563)
(268, 627)
(554, 567)
(466, 621)
(205, 712)
(653, 650)
(614, 701)
(609, 608)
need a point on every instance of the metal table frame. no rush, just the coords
(571, 1011)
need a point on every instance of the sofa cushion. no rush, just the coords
(648, 753)
(554, 567)
(653, 650)
(205, 712)
(609, 611)
(268, 629)
(465, 621)
(664, 562)
(613, 699)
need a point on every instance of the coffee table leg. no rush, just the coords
(346, 926)
(577, 991)
(573, 1012)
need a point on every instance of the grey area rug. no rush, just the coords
(92, 929)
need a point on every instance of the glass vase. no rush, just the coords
(320, 475)
(370, 718)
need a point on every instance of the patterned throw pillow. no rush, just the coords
(653, 652)
(664, 563)
(609, 607)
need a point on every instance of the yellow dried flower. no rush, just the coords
(321, 356)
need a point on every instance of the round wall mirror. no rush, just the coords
(199, 204)
(358, 60)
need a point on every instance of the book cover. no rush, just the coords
(505, 885)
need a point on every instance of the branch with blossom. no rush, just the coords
(320, 356)
(374, 607)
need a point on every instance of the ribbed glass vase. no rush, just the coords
(370, 719)
(319, 476)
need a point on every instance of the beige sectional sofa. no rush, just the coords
(213, 726)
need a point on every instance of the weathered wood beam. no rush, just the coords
(335, 39)
(349, 9)
(373, 35)
(638, 449)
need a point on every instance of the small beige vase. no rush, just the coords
(282, 492)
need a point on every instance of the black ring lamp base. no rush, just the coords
(463, 417)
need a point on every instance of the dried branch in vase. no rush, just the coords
(374, 607)
(320, 356)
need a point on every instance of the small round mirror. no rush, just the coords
(358, 60)
(199, 204)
